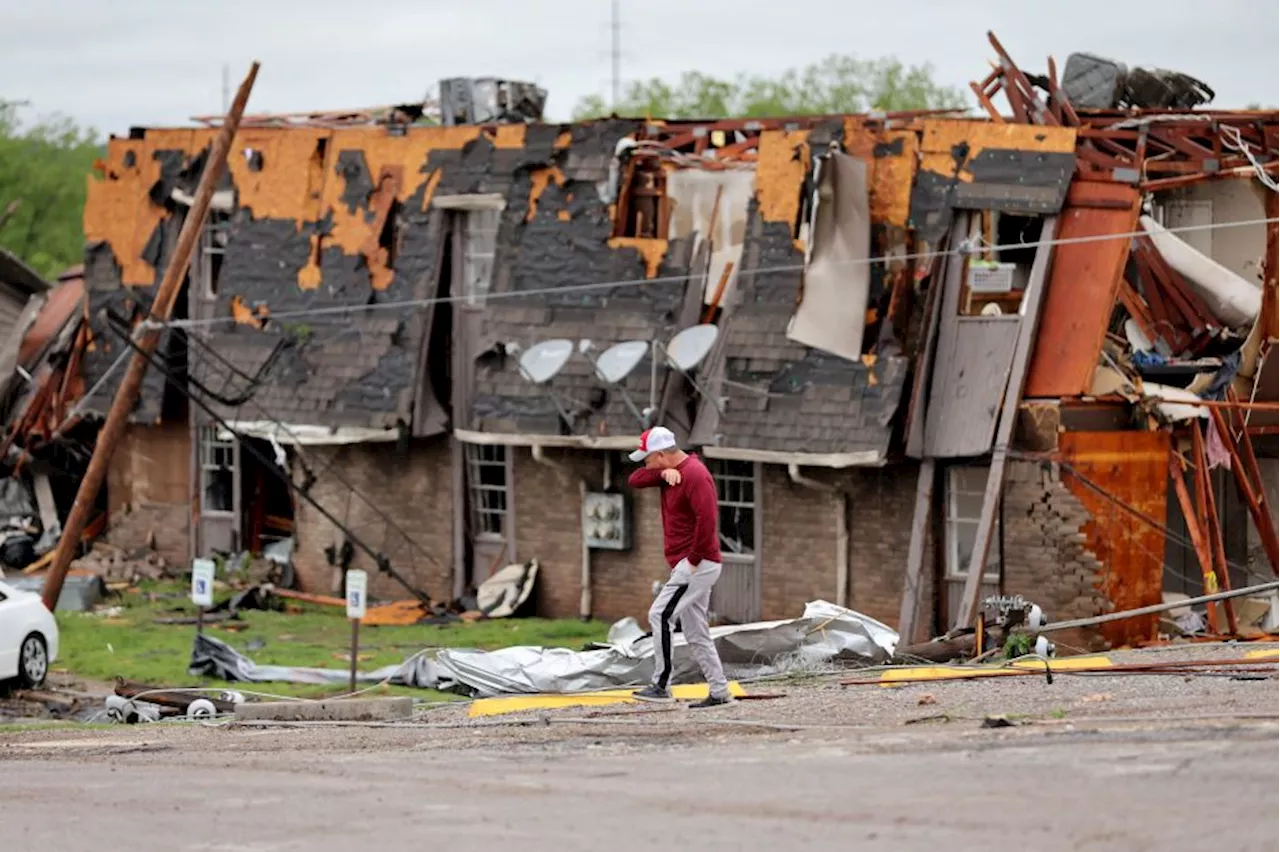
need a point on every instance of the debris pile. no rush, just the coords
(826, 635)
(1095, 83)
(1007, 627)
(121, 569)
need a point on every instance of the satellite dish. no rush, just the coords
(542, 361)
(688, 348)
(617, 362)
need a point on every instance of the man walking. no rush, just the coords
(691, 543)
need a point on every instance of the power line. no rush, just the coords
(379, 558)
(966, 248)
(309, 465)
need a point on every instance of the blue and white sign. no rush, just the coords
(202, 582)
(357, 598)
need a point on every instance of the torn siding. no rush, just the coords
(818, 403)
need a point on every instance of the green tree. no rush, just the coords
(43, 170)
(837, 84)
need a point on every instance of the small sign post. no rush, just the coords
(357, 603)
(202, 571)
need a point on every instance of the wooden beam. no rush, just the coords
(1244, 464)
(947, 275)
(913, 586)
(1213, 525)
(1198, 541)
(1270, 316)
(1031, 302)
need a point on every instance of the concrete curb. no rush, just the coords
(349, 710)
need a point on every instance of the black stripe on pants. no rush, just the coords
(666, 634)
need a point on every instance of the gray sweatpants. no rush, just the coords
(686, 598)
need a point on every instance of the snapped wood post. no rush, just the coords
(147, 337)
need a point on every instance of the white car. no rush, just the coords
(28, 637)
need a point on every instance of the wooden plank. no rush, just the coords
(1198, 540)
(969, 381)
(1032, 304)
(1082, 290)
(1213, 526)
(1139, 311)
(952, 271)
(1270, 315)
(1244, 464)
(913, 586)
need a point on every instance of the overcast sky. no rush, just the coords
(157, 62)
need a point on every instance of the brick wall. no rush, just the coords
(1046, 558)
(883, 506)
(801, 533)
(414, 488)
(149, 490)
(548, 527)
(798, 549)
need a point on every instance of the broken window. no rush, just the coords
(966, 487)
(736, 491)
(487, 482)
(997, 277)
(213, 247)
(217, 471)
(642, 207)
(479, 238)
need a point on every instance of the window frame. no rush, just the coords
(484, 514)
(954, 519)
(216, 456)
(737, 490)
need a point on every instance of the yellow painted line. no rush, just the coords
(522, 703)
(1063, 664)
(1262, 654)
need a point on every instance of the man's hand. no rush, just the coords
(671, 476)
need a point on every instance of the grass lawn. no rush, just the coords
(131, 645)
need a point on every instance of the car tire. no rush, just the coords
(33, 661)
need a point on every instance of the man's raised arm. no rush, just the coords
(645, 478)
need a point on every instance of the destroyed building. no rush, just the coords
(893, 338)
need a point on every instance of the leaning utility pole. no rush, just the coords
(147, 337)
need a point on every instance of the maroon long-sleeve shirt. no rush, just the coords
(690, 512)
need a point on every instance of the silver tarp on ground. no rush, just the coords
(824, 634)
(212, 657)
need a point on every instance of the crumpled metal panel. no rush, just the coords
(212, 657)
(826, 633)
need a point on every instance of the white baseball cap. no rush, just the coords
(653, 440)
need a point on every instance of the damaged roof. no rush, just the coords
(19, 276)
(354, 287)
(303, 240)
